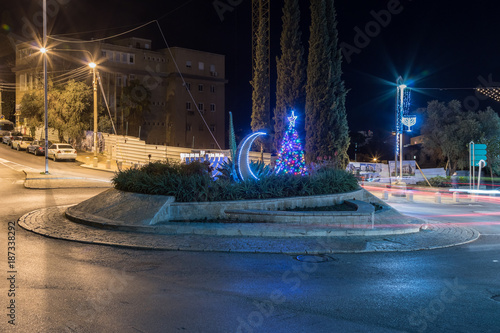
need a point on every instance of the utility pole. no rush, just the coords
(46, 119)
(93, 65)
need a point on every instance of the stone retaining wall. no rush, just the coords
(153, 210)
(362, 216)
(189, 211)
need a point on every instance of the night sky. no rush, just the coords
(432, 44)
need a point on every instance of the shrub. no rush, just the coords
(443, 181)
(193, 182)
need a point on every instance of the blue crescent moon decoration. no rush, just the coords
(242, 162)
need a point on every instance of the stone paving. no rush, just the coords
(52, 222)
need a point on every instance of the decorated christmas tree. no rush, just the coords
(291, 159)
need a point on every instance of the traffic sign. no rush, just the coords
(478, 153)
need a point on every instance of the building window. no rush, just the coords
(188, 86)
(103, 53)
(188, 105)
(212, 68)
(131, 58)
(200, 87)
(212, 107)
(212, 128)
(188, 64)
(22, 82)
(188, 127)
(212, 88)
(200, 106)
(201, 66)
(132, 77)
(117, 56)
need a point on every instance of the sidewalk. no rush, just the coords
(87, 158)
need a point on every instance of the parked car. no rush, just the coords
(61, 151)
(7, 139)
(37, 147)
(21, 142)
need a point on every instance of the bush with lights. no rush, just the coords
(193, 182)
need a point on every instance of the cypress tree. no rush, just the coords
(232, 147)
(338, 137)
(260, 83)
(327, 132)
(290, 70)
(318, 82)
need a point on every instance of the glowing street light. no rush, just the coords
(46, 118)
(94, 84)
(402, 106)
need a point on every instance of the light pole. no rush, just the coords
(402, 105)
(46, 118)
(94, 84)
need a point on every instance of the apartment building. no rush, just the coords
(187, 102)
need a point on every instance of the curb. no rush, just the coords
(51, 222)
(38, 181)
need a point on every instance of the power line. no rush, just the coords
(185, 85)
(100, 39)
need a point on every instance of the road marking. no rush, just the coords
(16, 166)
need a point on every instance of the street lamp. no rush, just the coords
(46, 118)
(94, 84)
(402, 105)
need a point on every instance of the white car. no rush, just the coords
(21, 142)
(62, 151)
(7, 138)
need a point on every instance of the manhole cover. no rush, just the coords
(426, 227)
(314, 258)
(496, 298)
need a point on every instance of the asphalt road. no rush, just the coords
(21, 160)
(63, 286)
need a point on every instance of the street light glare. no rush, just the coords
(402, 86)
(43, 50)
(92, 65)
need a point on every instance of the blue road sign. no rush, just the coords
(478, 153)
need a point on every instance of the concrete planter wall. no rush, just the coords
(117, 207)
(188, 211)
